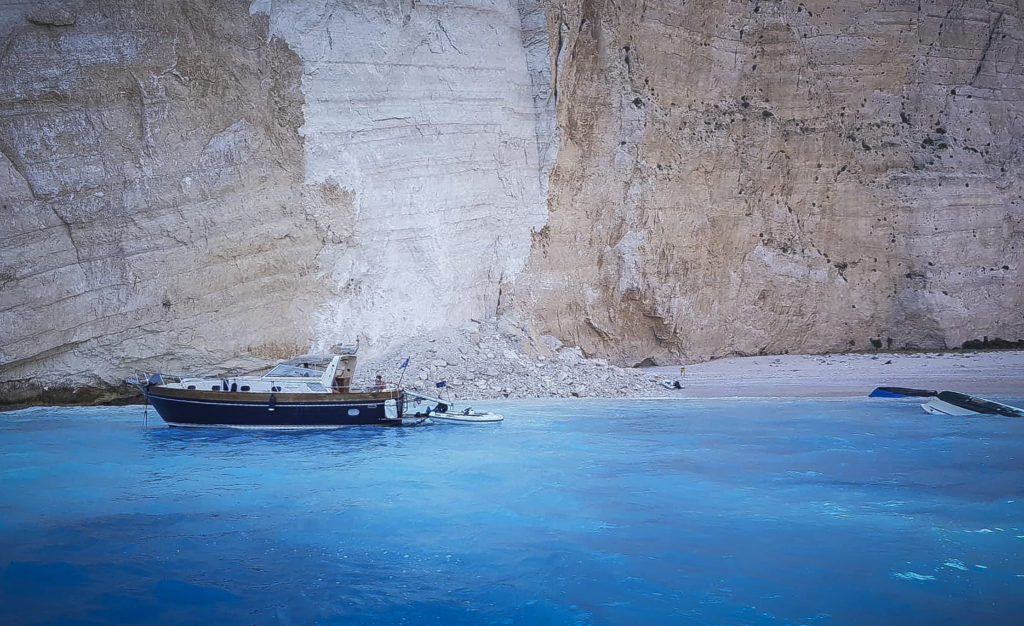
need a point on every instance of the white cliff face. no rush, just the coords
(150, 177)
(421, 159)
(204, 185)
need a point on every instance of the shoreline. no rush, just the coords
(850, 374)
(568, 375)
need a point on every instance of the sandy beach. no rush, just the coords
(998, 373)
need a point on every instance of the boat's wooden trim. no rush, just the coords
(280, 398)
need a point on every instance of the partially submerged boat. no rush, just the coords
(955, 403)
(311, 391)
(901, 392)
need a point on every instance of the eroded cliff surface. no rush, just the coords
(763, 177)
(202, 184)
(420, 116)
(205, 184)
(151, 173)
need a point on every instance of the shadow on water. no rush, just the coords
(337, 441)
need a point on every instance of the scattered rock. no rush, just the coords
(515, 373)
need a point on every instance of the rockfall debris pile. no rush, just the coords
(501, 358)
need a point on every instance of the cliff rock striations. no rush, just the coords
(763, 177)
(150, 170)
(209, 184)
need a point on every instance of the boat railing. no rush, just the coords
(144, 378)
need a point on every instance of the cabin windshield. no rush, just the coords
(291, 371)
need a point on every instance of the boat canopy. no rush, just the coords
(310, 360)
(291, 371)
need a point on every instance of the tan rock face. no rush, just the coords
(743, 178)
(207, 184)
(150, 179)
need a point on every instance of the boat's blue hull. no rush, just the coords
(901, 392)
(260, 411)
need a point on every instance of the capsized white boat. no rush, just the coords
(955, 403)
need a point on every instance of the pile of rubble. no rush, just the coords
(501, 358)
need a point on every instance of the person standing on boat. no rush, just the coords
(378, 383)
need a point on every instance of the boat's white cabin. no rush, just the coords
(305, 374)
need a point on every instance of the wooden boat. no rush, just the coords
(312, 391)
(955, 403)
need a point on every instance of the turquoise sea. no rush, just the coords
(849, 511)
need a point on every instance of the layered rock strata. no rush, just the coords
(764, 177)
(208, 184)
(151, 175)
(205, 185)
(419, 116)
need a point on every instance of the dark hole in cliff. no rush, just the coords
(648, 362)
(637, 102)
(877, 343)
(864, 144)
(927, 142)
(942, 146)
(767, 114)
(904, 117)
(1006, 267)
(940, 130)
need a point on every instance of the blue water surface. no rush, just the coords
(852, 511)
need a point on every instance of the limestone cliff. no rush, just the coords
(420, 115)
(763, 177)
(151, 173)
(206, 184)
(203, 184)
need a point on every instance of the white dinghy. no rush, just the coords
(446, 411)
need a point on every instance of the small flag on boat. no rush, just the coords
(404, 364)
(440, 384)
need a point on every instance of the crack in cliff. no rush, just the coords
(449, 37)
(147, 139)
(988, 46)
(71, 237)
(19, 166)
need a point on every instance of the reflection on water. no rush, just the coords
(842, 511)
(232, 441)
